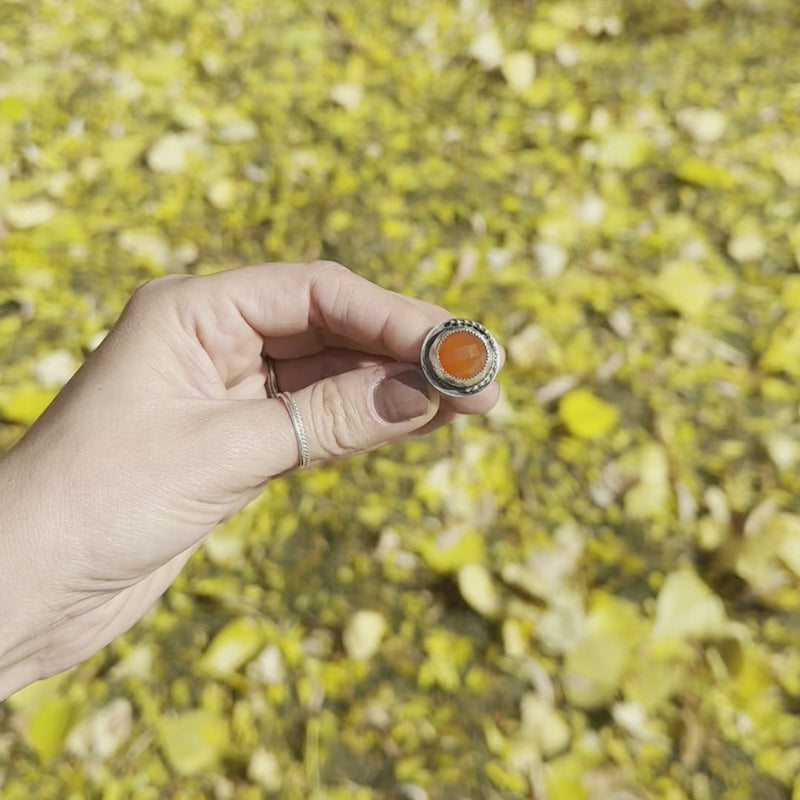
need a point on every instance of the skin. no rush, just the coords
(167, 430)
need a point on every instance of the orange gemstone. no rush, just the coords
(462, 355)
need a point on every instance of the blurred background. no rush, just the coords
(592, 593)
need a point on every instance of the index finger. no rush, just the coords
(285, 299)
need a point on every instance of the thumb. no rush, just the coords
(345, 414)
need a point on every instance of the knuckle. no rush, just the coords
(157, 289)
(334, 422)
(323, 265)
(328, 276)
(331, 285)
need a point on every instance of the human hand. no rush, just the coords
(168, 429)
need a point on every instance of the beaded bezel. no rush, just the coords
(439, 378)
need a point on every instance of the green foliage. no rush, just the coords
(593, 592)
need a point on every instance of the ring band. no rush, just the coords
(299, 427)
(272, 378)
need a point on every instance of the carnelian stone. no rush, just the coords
(462, 354)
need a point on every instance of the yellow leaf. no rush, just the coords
(448, 654)
(543, 725)
(232, 126)
(519, 70)
(487, 49)
(171, 153)
(622, 149)
(789, 552)
(688, 609)
(649, 498)
(478, 589)
(790, 293)
(564, 778)
(48, 726)
(13, 109)
(783, 351)
(347, 95)
(452, 549)
(29, 213)
(146, 244)
(747, 245)
(787, 165)
(769, 558)
(118, 154)
(505, 779)
(594, 668)
(685, 287)
(700, 172)
(702, 124)
(222, 194)
(194, 741)
(234, 645)
(586, 415)
(363, 635)
(26, 404)
(265, 770)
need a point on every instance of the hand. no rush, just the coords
(168, 429)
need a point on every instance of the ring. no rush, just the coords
(299, 428)
(272, 378)
(460, 357)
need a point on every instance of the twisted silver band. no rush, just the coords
(272, 378)
(299, 427)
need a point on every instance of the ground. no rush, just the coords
(591, 594)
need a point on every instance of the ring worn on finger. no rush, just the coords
(272, 378)
(299, 427)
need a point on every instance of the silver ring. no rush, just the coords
(299, 427)
(474, 353)
(272, 378)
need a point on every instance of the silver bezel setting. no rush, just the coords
(448, 384)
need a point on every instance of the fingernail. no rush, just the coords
(402, 397)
